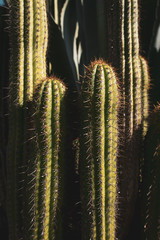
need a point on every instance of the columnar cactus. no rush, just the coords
(131, 65)
(135, 104)
(113, 122)
(49, 187)
(98, 152)
(28, 44)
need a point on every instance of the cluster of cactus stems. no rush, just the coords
(112, 110)
(33, 171)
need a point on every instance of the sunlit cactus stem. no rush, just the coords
(49, 105)
(98, 152)
(28, 45)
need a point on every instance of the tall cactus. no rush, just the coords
(98, 152)
(135, 101)
(49, 187)
(110, 138)
(28, 44)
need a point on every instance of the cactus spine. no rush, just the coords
(28, 43)
(49, 103)
(98, 150)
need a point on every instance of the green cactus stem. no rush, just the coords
(98, 152)
(28, 44)
(28, 40)
(49, 101)
(151, 183)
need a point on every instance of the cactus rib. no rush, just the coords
(136, 66)
(145, 98)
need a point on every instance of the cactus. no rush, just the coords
(98, 151)
(134, 101)
(28, 43)
(114, 120)
(49, 189)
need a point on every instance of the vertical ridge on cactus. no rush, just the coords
(145, 98)
(28, 53)
(136, 66)
(98, 149)
(128, 70)
(122, 41)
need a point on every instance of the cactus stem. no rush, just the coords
(50, 95)
(98, 145)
